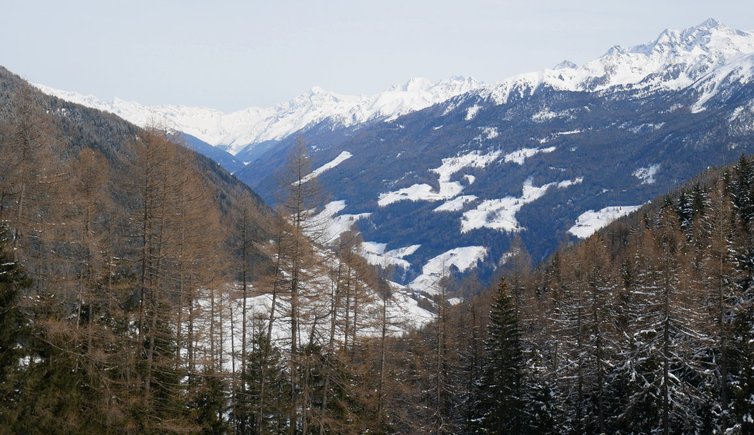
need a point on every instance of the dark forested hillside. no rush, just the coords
(143, 289)
(110, 236)
(645, 327)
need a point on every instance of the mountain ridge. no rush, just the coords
(234, 131)
(675, 59)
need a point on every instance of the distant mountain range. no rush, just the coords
(233, 132)
(439, 177)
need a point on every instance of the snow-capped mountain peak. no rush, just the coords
(710, 37)
(674, 60)
(566, 64)
(234, 131)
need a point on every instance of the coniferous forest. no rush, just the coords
(129, 265)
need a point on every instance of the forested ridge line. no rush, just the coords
(645, 327)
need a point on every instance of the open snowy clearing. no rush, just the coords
(376, 255)
(500, 214)
(329, 225)
(590, 221)
(519, 156)
(647, 174)
(456, 204)
(342, 157)
(462, 258)
(448, 189)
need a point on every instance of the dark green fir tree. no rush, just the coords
(499, 405)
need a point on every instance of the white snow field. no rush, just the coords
(462, 258)
(342, 157)
(376, 255)
(520, 156)
(448, 189)
(456, 204)
(500, 214)
(647, 174)
(590, 221)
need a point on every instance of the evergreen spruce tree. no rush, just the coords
(210, 403)
(669, 339)
(263, 413)
(499, 405)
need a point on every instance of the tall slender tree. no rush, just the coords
(499, 403)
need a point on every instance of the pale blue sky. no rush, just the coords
(230, 54)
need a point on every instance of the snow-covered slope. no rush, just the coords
(590, 221)
(234, 131)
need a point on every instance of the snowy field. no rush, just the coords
(519, 156)
(500, 214)
(462, 258)
(448, 189)
(402, 311)
(376, 255)
(590, 221)
(342, 157)
(647, 174)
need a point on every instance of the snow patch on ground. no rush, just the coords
(490, 132)
(647, 174)
(500, 214)
(645, 127)
(505, 258)
(457, 203)
(567, 132)
(448, 189)
(557, 134)
(546, 114)
(519, 156)
(342, 157)
(590, 221)
(471, 112)
(376, 255)
(568, 183)
(736, 113)
(331, 225)
(404, 312)
(462, 258)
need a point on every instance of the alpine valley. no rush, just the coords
(569, 251)
(440, 177)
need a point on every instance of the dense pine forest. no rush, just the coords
(646, 327)
(131, 268)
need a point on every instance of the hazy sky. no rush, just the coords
(230, 54)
